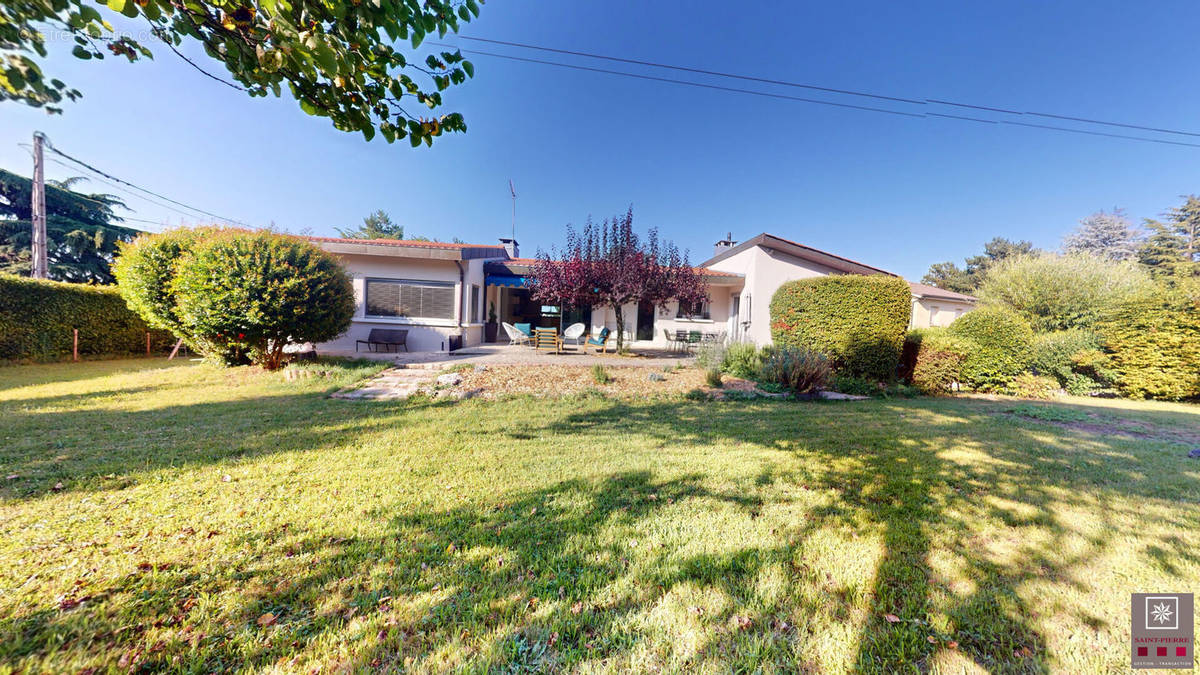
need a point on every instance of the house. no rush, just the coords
(933, 306)
(443, 293)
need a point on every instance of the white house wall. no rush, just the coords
(423, 334)
(765, 271)
(928, 312)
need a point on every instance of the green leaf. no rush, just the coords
(469, 68)
(81, 53)
(118, 5)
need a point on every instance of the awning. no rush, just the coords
(510, 280)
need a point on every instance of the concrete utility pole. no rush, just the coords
(40, 269)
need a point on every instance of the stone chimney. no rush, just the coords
(511, 245)
(724, 245)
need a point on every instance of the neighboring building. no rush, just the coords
(442, 293)
(932, 306)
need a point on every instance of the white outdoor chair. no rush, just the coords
(574, 333)
(515, 337)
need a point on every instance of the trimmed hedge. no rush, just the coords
(857, 321)
(1154, 344)
(37, 319)
(938, 358)
(1004, 345)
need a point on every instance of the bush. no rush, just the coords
(1059, 292)
(37, 320)
(237, 295)
(1002, 346)
(858, 321)
(1028, 385)
(742, 359)
(856, 386)
(712, 378)
(1053, 353)
(146, 269)
(600, 375)
(937, 367)
(801, 371)
(710, 355)
(1154, 343)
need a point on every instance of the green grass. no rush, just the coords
(172, 517)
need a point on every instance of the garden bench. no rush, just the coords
(384, 337)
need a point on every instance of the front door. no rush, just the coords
(645, 321)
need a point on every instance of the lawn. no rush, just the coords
(174, 517)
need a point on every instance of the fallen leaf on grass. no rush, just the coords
(932, 640)
(266, 620)
(952, 644)
(891, 618)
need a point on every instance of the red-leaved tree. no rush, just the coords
(609, 265)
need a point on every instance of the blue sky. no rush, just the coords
(894, 192)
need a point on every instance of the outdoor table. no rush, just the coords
(547, 339)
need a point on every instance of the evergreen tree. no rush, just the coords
(81, 230)
(1105, 235)
(1173, 247)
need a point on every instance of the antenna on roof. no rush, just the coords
(513, 190)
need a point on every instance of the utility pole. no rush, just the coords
(40, 268)
(513, 190)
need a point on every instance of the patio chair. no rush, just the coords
(600, 342)
(673, 341)
(574, 333)
(515, 336)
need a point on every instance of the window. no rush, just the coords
(693, 310)
(933, 315)
(410, 299)
(475, 303)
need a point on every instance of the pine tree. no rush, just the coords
(1105, 235)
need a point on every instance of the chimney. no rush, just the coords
(724, 245)
(511, 245)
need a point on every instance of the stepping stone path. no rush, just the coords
(394, 383)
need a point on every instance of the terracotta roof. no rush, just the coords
(403, 242)
(809, 253)
(927, 291)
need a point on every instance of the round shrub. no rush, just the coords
(1057, 292)
(937, 366)
(256, 292)
(145, 269)
(857, 321)
(1003, 344)
(1154, 344)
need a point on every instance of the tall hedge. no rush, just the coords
(1004, 346)
(37, 320)
(857, 321)
(1154, 343)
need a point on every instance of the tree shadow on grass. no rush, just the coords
(101, 448)
(550, 579)
(518, 586)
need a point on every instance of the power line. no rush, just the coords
(109, 176)
(888, 111)
(848, 92)
(125, 191)
(701, 71)
(691, 84)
